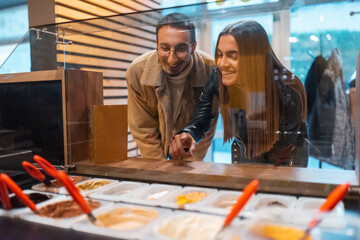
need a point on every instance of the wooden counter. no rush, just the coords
(286, 180)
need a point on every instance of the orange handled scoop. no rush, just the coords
(18, 192)
(74, 192)
(48, 168)
(4, 195)
(331, 201)
(35, 173)
(248, 191)
(335, 197)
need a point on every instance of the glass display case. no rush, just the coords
(108, 45)
(61, 78)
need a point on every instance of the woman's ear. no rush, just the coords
(193, 47)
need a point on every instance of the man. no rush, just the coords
(164, 86)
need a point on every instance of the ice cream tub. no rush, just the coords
(92, 185)
(309, 207)
(189, 198)
(273, 223)
(151, 194)
(221, 203)
(117, 191)
(18, 207)
(187, 226)
(62, 212)
(56, 185)
(264, 201)
(126, 221)
(265, 230)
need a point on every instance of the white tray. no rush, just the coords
(170, 201)
(16, 212)
(117, 191)
(43, 187)
(187, 226)
(222, 201)
(264, 201)
(248, 231)
(156, 192)
(87, 192)
(309, 206)
(138, 233)
(61, 222)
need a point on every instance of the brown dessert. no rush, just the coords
(74, 179)
(35, 197)
(65, 209)
(266, 204)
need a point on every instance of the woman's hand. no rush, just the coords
(182, 146)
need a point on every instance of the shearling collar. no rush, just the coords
(153, 73)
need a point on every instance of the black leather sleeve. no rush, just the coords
(291, 127)
(202, 116)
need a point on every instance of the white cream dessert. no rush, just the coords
(312, 205)
(191, 227)
(126, 218)
(227, 204)
(157, 195)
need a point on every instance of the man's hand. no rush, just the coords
(182, 146)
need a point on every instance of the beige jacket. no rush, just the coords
(150, 108)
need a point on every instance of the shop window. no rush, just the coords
(13, 26)
(316, 30)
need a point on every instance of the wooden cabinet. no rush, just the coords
(48, 112)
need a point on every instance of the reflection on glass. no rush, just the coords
(323, 56)
(31, 119)
(263, 105)
(36, 51)
(110, 44)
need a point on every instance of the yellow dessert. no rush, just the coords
(92, 185)
(277, 232)
(190, 197)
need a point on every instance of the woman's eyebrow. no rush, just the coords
(232, 52)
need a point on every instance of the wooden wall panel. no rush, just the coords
(107, 45)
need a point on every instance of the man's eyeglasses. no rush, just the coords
(181, 51)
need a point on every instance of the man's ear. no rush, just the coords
(193, 47)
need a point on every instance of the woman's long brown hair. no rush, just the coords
(256, 92)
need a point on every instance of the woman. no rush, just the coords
(263, 105)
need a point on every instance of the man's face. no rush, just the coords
(174, 49)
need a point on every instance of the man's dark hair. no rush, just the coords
(179, 21)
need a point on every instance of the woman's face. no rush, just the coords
(227, 61)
